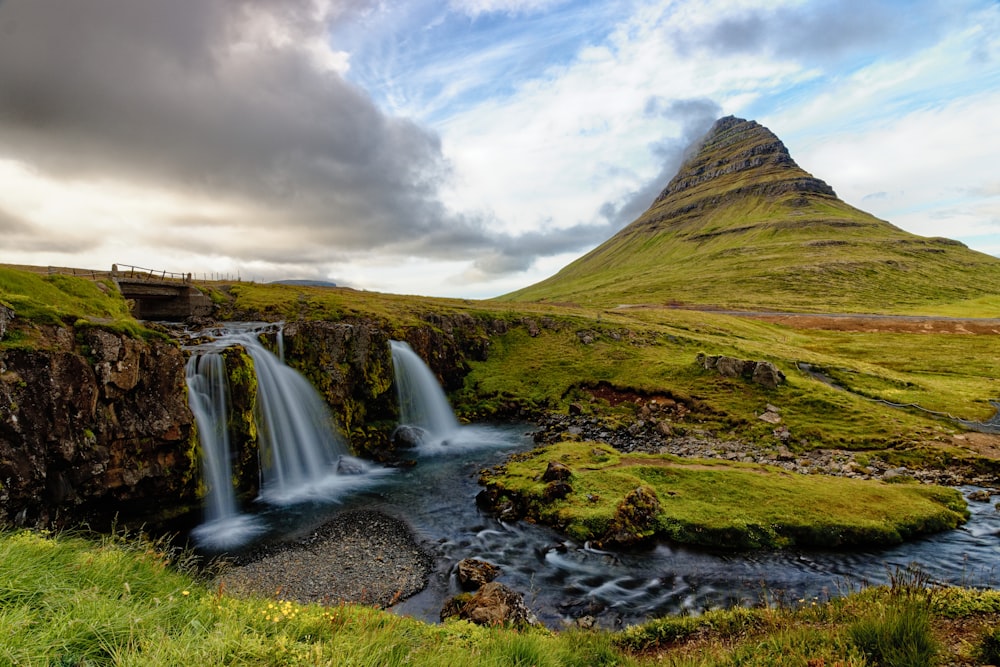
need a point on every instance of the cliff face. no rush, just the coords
(93, 424)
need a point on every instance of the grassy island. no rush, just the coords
(604, 495)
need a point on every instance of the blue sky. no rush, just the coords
(464, 148)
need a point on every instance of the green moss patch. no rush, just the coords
(716, 504)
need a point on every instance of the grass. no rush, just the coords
(59, 300)
(724, 505)
(117, 600)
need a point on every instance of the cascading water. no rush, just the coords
(301, 455)
(208, 396)
(422, 402)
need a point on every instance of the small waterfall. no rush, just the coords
(422, 402)
(301, 455)
(208, 396)
(299, 448)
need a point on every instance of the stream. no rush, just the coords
(563, 581)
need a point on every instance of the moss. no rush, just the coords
(242, 422)
(625, 499)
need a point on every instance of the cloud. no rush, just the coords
(828, 29)
(695, 117)
(19, 235)
(229, 99)
(476, 7)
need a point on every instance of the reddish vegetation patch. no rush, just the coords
(615, 396)
(882, 324)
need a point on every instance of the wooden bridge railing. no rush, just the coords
(151, 275)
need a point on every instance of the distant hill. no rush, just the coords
(742, 226)
(304, 283)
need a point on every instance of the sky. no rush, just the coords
(463, 148)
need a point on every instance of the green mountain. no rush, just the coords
(742, 226)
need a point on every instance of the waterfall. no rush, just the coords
(422, 402)
(208, 396)
(301, 455)
(299, 448)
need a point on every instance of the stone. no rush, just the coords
(770, 418)
(348, 466)
(556, 490)
(6, 317)
(492, 605)
(767, 375)
(980, 496)
(473, 573)
(406, 436)
(556, 471)
(763, 373)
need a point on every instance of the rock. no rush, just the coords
(532, 326)
(474, 573)
(770, 417)
(493, 605)
(406, 436)
(635, 518)
(575, 409)
(895, 473)
(556, 490)
(556, 471)
(763, 373)
(348, 466)
(91, 433)
(6, 317)
(767, 375)
(980, 496)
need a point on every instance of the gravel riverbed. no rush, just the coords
(360, 557)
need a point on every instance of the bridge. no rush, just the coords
(160, 295)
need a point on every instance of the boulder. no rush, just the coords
(556, 490)
(556, 472)
(474, 573)
(494, 604)
(406, 436)
(764, 373)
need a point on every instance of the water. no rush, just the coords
(302, 457)
(422, 402)
(563, 580)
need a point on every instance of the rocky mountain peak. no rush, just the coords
(736, 151)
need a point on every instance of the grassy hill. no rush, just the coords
(742, 226)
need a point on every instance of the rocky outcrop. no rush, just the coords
(763, 373)
(94, 424)
(349, 363)
(494, 604)
(473, 573)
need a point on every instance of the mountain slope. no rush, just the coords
(742, 226)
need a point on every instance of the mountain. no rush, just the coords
(742, 226)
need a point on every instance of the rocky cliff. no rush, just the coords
(93, 424)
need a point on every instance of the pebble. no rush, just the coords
(358, 557)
